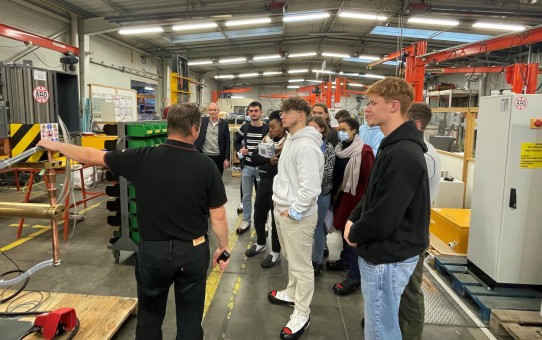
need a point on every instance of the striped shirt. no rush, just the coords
(254, 136)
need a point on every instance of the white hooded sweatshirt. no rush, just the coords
(300, 170)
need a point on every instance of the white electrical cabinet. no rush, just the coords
(505, 239)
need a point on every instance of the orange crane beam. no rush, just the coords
(502, 42)
(34, 39)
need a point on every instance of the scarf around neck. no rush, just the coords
(351, 172)
(277, 145)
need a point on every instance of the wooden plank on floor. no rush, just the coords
(99, 316)
(519, 332)
(501, 317)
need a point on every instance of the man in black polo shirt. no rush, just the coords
(176, 187)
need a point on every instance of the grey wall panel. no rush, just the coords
(27, 90)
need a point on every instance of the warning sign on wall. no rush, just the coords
(531, 156)
(49, 131)
(41, 95)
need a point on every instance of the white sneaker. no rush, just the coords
(296, 326)
(240, 208)
(243, 227)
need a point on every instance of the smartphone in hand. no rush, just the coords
(223, 257)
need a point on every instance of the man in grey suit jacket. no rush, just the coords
(214, 138)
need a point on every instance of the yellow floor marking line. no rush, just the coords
(213, 280)
(236, 288)
(43, 229)
(25, 239)
(35, 226)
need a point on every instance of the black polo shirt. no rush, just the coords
(175, 187)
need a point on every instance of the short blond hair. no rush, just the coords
(393, 88)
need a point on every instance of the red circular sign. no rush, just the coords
(521, 103)
(41, 95)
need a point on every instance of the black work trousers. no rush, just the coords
(262, 206)
(159, 265)
(219, 163)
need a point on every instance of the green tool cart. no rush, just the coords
(130, 135)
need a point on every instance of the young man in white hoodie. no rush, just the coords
(295, 191)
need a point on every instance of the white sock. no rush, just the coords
(258, 247)
(275, 256)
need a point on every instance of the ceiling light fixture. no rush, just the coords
(224, 76)
(293, 86)
(431, 21)
(368, 57)
(248, 75)
(335, 55)
(200, 62)
(295, 80)
(305, 17)
(494, 26)
(232, 60)
(299, 55)
(126, 31)
(315, 81)
(266, 57)
(188, 27)
(298, 71)
(322, 71)
(374, 76)
(148, 88)
(356, 85)
(271, 73)
(236, 97)
(256, 21)
(352, 74)
(364, 16)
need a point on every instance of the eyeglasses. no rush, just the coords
(287, 113)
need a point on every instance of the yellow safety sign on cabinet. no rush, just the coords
(531, 156)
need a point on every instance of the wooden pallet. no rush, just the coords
(466, 285)
(99, 316)
(516, 324)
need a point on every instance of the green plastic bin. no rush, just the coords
(132, 206)
(139, 130)
(133, 222)
(131, 192)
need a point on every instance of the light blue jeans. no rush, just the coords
(249, 174)
(382, 286)
(319, 233)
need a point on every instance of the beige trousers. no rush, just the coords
(296, 238)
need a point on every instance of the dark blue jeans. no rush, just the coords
(350, 257)
(159, 265)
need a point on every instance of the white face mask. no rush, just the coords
(343, 136)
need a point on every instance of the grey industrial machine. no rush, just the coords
(505, 239)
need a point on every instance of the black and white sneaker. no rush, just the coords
(270, 261)
(255, 249)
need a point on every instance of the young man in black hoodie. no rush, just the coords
(390, 226)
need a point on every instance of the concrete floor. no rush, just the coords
(239, 309)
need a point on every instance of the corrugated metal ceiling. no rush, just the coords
(335, 34)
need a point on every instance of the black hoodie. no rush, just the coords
(391, 222)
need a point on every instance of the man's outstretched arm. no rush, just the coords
(79, 154)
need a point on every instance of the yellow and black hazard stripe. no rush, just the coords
(25, 137)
